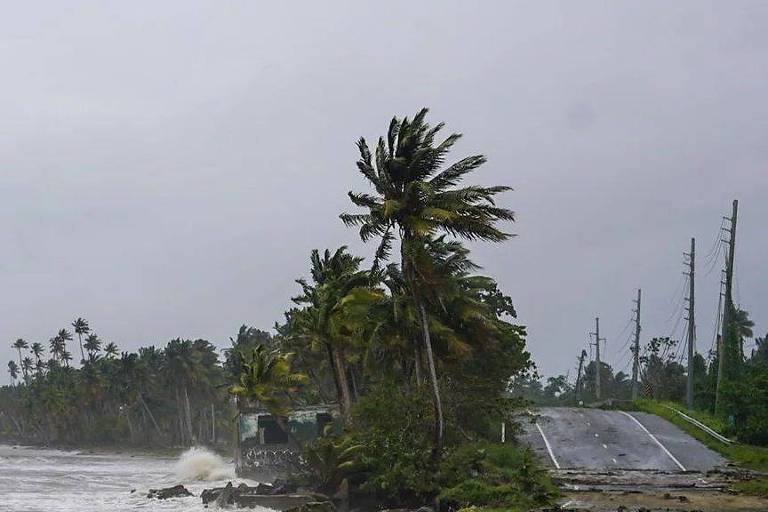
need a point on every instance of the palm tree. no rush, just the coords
(92, 345)
(37, 350)
(743, 328)
(66, 357)
(13, 369)
(417, 200)
(111, 350)
(266, 380)
(81, 327)
(64, 336)
(20, 345)
(26, 366)
(339, 290)
(56, 346)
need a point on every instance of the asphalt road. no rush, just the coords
(568, 437)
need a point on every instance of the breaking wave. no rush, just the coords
(202, 464)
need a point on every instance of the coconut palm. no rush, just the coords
(13, 370)
(66, 357)
(92, 345)
(20, 345)
(56, 346)
(338, 292)
(37, 350)
(266, 380)
(64, 336)
(416, 200)
(81, 327)
(26, 366)
(111, 350)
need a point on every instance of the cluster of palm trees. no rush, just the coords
(156, 396)
(34, 362)
(422, 320)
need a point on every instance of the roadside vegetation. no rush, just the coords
(415, 345)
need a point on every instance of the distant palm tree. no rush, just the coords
(66, 357)
(26, 366)
(55, 345)
(20, 344)
(65, 336)
(81, 327)
(92, 345)
(13, 369)
(111, 350)
(37, 350)
(743, 324)
(40, 367)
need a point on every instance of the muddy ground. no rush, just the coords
(637, 490)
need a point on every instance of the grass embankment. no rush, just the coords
(743, 455)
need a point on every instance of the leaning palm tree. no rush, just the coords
(81, 327)
(20, 345)
(267, 379)
(416, 200)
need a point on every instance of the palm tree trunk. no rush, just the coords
(439, 425)
(80, 339)
(180, 414)
(188, 411)
(410, 277)
(151, 416)
(346, 399)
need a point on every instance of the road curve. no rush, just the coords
(569, 437)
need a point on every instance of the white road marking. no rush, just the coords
(597, 435)
(605, 446)
(614, 461)
(549, 448)
(682, 468)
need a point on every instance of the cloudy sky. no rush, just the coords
(166, 167)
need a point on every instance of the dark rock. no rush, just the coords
(280, 486)
(226, 496)
(177, 491)
(314, 506)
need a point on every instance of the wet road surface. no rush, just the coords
(569, 437)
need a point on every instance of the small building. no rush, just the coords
(264, 450)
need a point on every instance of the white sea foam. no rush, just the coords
(201, 464)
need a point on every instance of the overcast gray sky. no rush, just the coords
(166, 167)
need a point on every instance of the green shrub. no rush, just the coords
(494, 475)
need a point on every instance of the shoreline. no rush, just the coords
(168, 452)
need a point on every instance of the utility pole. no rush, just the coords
(578, 375)
(691, 321)
(598, 339)
(723, 346)
(636, 347)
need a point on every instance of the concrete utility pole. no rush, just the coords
(691, 321)
(636, 348)
(578, 375)
(598, 339)
(727, 310)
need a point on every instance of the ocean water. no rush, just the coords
(41, 480)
